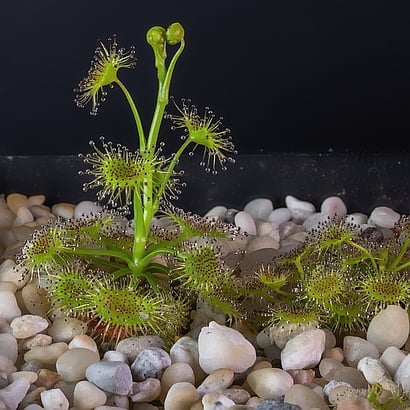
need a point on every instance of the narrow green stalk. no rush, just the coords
(135, 113)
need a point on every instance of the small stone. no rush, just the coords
(9, 308)
(303, 351)
(217, 212)
(23, 216)
(54, 399)
(350, 375)
(392, 358)
(216, 381)
(275, 405)
(301, 395)
(384, 217)
(176, 373)
(63, 210)
(245, 223)
(83, 341)
(114, 356)
(12, 395)
(88, 396)
(220, 346)
(31, 377)
(357, 218)
(85, 209)
(132, 346)
(10, 272)
(181, 396)
(47, 378)
(112, 377)
(259, 208)
(35, 300)
(16, 201)
(150, 362)
(396, 320)
(279, 216)
(355, 348)
(8, 346)
(328, 366)
(333, 206)
(72, 364)
(299, 209)
(372, 369)
(269, 383)
(402, 375)
(39, 339)
(238, 395)
(354, 403)
(216, 401)
(7, 366)
(46, 354)
(185, 350)
(28, 325)
(145, 391)
(64, 329)
(262, 242)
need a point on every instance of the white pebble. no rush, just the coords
(279, 216)
(83, 341)
(16, 201)
(221, 346)
(86, 209)
(151, 362)
(9, 308)
(402, 374)
(72, 364)
(390, 327)
(145, 391)
(357, 218)
(355, 348)
(13, 394)
(262, 242)
(216, 401)
(392, 358)
(372, 370)
(10, 272)
(383, 217)
(333, 206)
(114, 356)
(46, 354)
(269, 383)
(36, 200)
(219, 379)
(216, 212)
(87, 395)
(28, 325)
(64, 329)
(24, 216)
(175, 373)
(112, 377)
(185, 350)
(54, 399)
(259, 208)
(8, 346)
(303, 351)
(181, 396)
(63, 210)
(300, 210)
(245, 223)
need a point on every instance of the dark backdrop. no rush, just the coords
(290, 75)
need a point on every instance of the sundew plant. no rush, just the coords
(137, 266)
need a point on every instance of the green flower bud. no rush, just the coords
(156, 36)
(175, 34)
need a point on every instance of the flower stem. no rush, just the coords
(135, 113)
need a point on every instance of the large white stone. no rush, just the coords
(220, 346)
(304, 351)
(390, 327)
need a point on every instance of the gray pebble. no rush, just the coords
(133, 346)
(151, 362)
(276, 405)
(112, 377)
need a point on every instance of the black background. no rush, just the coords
(303, 76)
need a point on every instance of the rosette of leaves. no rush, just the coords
(137, 266)
(340, 277)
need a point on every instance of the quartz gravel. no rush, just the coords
(54, 364)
